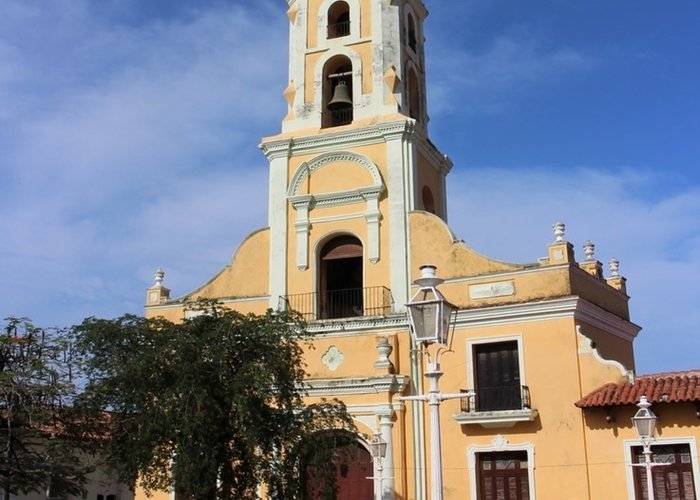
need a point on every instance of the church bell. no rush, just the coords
(341, 96)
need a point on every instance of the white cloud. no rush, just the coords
(138, 148)
(508, 214)
(128, 147)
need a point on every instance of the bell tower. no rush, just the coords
(353, 157)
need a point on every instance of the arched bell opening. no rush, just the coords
(341, 274)
(338, 20)
(428, 200)
(412, 38)
(337, 92)
(413, 95)
(336, 465)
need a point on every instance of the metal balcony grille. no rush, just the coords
(336, 30)
(512, 397)
(338, 117)
(338, 304)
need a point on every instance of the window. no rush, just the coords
(337, 92)
(497, 376)
(413, 95)
(339, 20)
(428, 200)
(341, 293)
(412, 39)
(673, 480)
(503, 476)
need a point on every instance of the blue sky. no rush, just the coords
(129, 132)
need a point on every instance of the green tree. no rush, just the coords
(42, 440)
(211, 406)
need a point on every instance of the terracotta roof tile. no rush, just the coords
(669, 387)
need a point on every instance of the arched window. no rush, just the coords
(428, 200)
(337, 92)
(340, 274)
(412, 38)
(339, 20)
(413, 95)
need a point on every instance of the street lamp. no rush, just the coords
(645, 423)
(430, 317)
(377, 447)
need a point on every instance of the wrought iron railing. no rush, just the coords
(338, 117)
(337, 304)
(336, 30)
(510, 397)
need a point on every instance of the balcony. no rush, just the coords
(340, 304)
(493, 407)
(339, 29)
(338, 117)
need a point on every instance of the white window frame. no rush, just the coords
(631, 443)
(322, 25)
(500, 444)
(471, 363)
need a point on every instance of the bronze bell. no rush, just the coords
(341, 96)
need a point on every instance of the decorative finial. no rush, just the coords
(614, 267)
(589, 250)
(159, 276)
(559, 231)
(428, 276)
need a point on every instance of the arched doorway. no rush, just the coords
(340, 291)
(348, 463)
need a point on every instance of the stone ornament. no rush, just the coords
(333, 358)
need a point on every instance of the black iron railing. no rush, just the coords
(510, 397)
(338, 117)
(337, 304)
(336, 30)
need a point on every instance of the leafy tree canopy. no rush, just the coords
(43, 446)
(211, 406)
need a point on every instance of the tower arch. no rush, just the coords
(340, 275)
(338, 89)
(326, 13)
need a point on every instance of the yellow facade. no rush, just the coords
(361, 201)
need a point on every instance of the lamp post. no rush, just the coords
(430, 317)
(645, 423)
(377, 447)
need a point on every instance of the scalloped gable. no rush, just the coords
(432, 241)
(251, 260)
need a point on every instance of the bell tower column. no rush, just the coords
(277, 221)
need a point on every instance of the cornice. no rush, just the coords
(354, 326)
(338, 198)
(386, 384)
(600, 318)
(379, 409)
(180, 302)
(569, 307)
(372, 134)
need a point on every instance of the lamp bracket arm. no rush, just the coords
(457, 396)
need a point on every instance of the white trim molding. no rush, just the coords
(576, 307)
(500, 444)
(304, 203)
(388, 384)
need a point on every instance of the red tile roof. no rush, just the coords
(670, 387)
